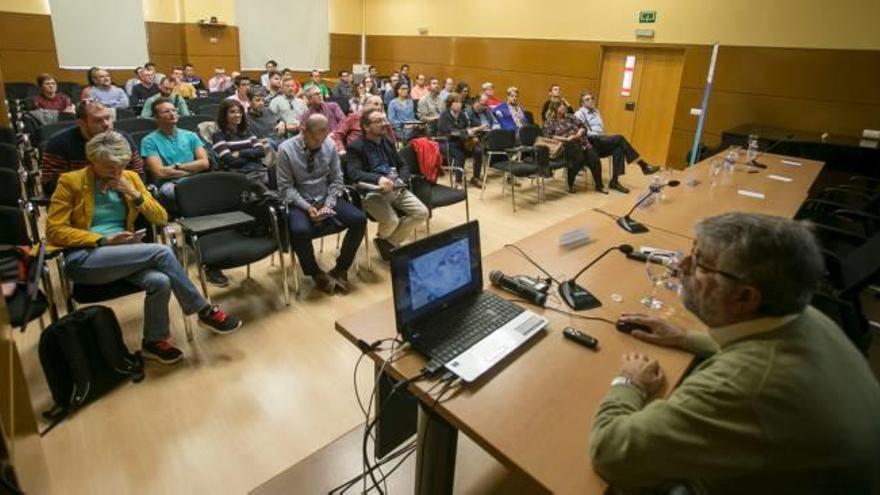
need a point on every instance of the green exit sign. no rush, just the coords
(647, 16)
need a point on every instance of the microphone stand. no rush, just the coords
(579, 298)
(633, 226)
(756, 163)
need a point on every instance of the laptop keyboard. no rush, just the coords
(459, 331)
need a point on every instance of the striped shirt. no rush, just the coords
(250, 151)
(66, 151)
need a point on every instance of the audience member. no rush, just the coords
(488, 89)
(481, 114)
(232, 89)
(404, 76)
(431, 105)
(463, 138)
(373, 72)
(614, 145)
(448, 87)
(92, 217)
(289, 106)
(156, 74)
(105, 92)
(401, 112)
(781, 402)
(263, 122)
(420, 89)
(310, 180)
(220, 81)
(577, 149)
(358, 98)
(170, 153)
(271, 67)
(509, 114)
(166, 91)
(274, 89)
(344, 88)
(144, 89)
(190, 76)
(554, 94)
(390, 90)
(132, 81)
(181, 87)
(316, 104)
(464, 90)
(242, 85)
(66, 150)
(49, 98)
(316, 81)
(374, 160)
(90, 83)
(350, 129)
(371, 86)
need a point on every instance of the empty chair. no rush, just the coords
(191, 122)
(7, 135)
(134, 125)
(71, 89)
(431, 194)
(21, 90)
(500, 142)
(210, 110)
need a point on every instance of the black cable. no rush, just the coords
(530, 260)
(405, 450)
(566, 313)
(671, 232)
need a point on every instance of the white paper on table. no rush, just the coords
(780, 178)
(750, 194)
(792, 163)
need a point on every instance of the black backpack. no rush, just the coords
(83, 357)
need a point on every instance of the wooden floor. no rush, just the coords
(242, 408)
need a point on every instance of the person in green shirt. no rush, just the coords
(166, 91)
(316, 81)
(782, 403)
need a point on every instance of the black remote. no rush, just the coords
(581, 338)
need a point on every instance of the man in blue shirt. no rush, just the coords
(170, 153)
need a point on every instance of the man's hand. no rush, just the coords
(314, 214)
(281, 128)
(326, 211)
(643, 371)
(124, 186)
(123, 238)
(386, 184)
(661, 333)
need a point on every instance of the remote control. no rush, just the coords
(581, 338)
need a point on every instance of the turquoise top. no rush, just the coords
(178, 148)
(109, 216)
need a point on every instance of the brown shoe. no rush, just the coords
(340, 278)
(476, 182)
(324, 282)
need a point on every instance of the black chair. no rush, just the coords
(210, 216)
(125, 113)
(210, 110)
(195, 103)
(135, 125)
(7, 136)
(71, 89)
(9, 157)
(500, 142)
(431, 194)
(13, 233)
(191, 122)
(138, 137)
(47, 131)
(21, 90)
(218, 95)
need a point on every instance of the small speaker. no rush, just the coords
(574, 238)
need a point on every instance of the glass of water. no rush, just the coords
(662, 268)
(715, 167)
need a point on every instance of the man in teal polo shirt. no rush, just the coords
(166, 91)
(171, 154)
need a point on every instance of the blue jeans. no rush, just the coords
(152, 267)
(302, 230)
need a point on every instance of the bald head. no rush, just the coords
(316, 129)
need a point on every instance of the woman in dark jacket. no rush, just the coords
(237, 149)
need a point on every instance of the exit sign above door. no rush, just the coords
(647, 16)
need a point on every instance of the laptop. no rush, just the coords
(441, 308)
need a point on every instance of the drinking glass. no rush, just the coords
(660, 266)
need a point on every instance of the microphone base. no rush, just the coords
(631, 226)
(576, 297)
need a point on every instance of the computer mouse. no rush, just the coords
(629, 326)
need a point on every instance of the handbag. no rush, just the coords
(554, 145)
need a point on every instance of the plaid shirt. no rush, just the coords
(565, 127)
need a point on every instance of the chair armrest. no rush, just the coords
(207, 224)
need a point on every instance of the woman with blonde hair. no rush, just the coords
(92, 218)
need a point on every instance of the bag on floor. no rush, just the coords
(83, 357)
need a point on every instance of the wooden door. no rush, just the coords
(645, 117)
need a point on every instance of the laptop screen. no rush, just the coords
(432, 273)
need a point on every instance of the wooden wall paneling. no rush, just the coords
(4, 118)
(199, 40)
(26, 32)
(165, 38)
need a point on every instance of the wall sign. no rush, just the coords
(628, 69)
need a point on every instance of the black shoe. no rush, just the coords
(216, 278)
(163, 351)
(476, 182)
(324, 282)
(601, 189)
(340, 278)
(218, 321)
(617, 186)
(648, 169)
(384, 247)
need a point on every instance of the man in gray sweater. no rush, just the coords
(310, 180)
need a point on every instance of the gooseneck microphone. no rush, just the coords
(756, 163)
(632, 226)
(579, 298)
(514, 286)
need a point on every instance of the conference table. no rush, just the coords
(534, 411)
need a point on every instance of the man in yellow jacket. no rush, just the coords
(783, 402)
(92, 217)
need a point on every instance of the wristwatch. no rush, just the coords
(625, 380)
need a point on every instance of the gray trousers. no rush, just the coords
(384, 208)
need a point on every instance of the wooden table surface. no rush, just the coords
(534, 411)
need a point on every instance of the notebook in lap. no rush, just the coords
(441, 308)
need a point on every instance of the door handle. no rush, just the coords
(629, 106)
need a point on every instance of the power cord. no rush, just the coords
(530, 260)
(567, 313)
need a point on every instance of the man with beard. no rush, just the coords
(782, 403)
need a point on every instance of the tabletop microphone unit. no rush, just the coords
(633, 226)
(756, 163)
(517, 287)
(579, 298)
